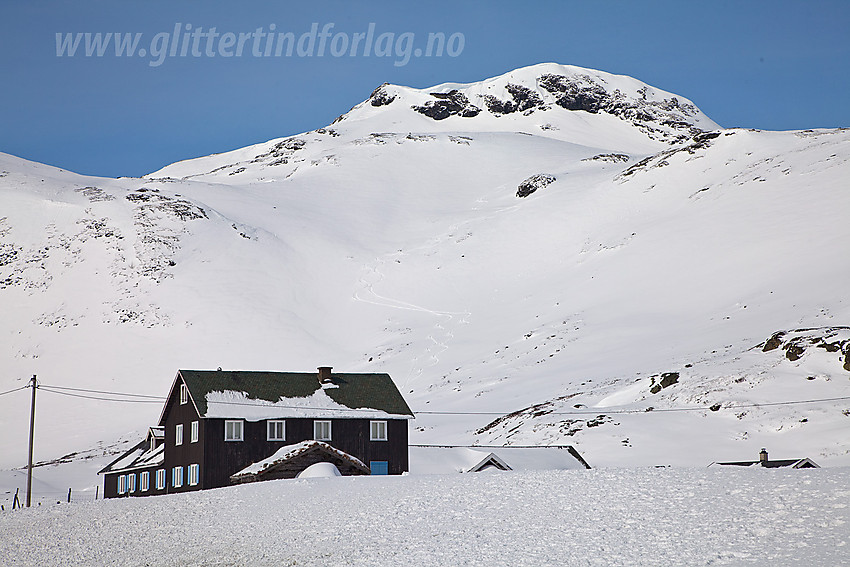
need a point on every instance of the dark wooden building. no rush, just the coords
(216, 423)
(139, 471)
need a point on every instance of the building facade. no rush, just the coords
(216, 423)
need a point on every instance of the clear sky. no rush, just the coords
(774, 65)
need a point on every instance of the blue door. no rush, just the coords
(379, 467)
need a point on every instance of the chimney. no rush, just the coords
(325, 375)
(763, 456)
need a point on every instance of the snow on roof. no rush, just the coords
(804, 462)
(256, 395)
(233, 404)
(290, 452)
(463, 459)
(319, 470)
(141, 456)
(446, 460)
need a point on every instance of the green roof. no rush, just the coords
(355, 391)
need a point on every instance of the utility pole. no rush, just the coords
(34, 384)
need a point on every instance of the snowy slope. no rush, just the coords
(394, 240)
(602, 517)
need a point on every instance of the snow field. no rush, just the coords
(600, 517)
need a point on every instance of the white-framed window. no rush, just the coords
(184, 394)
(131, 482)
(178, 434)
(276, 430)
(233, 430)
(144, 481)
(122, 484)
(194, 434)
(377, 431)
(177, 477)
(322, 430)
(193, 474)
(160, 479)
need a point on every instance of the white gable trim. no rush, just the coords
(491, 459)
(175, 391)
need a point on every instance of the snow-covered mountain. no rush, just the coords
(535, 254)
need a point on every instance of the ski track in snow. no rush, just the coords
(442, 334)
(440, 337)
(535, 518)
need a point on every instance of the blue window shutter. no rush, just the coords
(379, 467)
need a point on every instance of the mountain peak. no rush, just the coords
(612, 113)
(547, 90)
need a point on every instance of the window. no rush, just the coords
(122, 484)
(177, 477)
(131, 482)
(194, 433)
(379, 467)
(144, 481)
(178, 434)
(160, 479)
(322, 430)
(276, 430)
(193, 474)
(184, 394)
(233, 430)
(377, 430)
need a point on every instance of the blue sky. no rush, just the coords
(766, 64)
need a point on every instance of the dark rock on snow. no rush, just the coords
(452, 103)
(380, 97)
(534, 183)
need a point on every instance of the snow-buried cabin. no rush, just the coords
(217, 423)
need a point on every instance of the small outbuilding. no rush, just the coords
(289, 461)
(763, 461)
(491, 461)
(437, 459)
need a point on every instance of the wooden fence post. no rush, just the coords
(69, 495)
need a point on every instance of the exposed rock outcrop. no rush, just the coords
(523, 99)
(797, 342)
(380, 96)
(452, 103)
(534, 183)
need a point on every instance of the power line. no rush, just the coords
(445, 446)
(600, 411)
(15, 390)
(590, 411)
(98, 397)
(158, 399)
(102, 392)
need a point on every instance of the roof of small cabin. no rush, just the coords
(435, 459)
(480, 460)
(774, 464)
(350, 391)
(292, 452)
